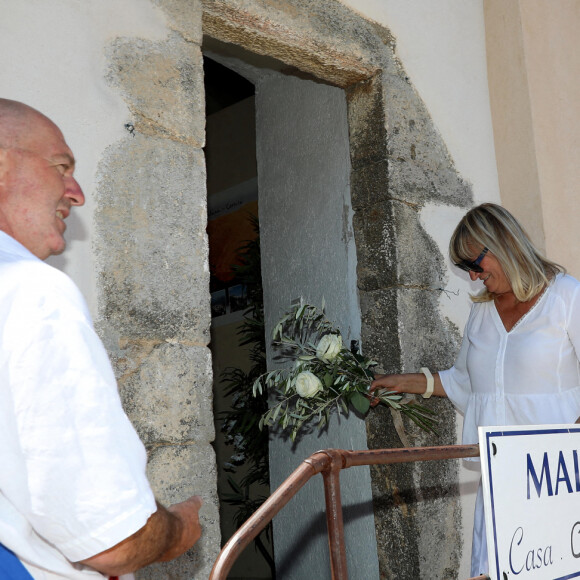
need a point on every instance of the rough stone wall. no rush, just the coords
(417, 514)
(397, 170)
(152, 255)
(399, 164)
(153, 278)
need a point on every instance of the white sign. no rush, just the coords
(531, 491)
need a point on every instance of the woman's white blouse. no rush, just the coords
(527, 376)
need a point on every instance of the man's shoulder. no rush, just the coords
(32, 273)
(32, 283)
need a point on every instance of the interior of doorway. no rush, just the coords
(303, 160)
(235, 288)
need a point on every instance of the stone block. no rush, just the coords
(419, 259)
(425, 340)
(369, 186)
(367, 124)
(167, 392)
(376, 250)
(151, 247)
(162, 83)
(184, 17)
(380, 336)
(176, 473)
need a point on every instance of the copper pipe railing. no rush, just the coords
(328, 462)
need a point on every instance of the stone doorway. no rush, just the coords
(396, 164)
(303, 167)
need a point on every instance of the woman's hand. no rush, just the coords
(384, 383)
(412, 383)
(390, 383)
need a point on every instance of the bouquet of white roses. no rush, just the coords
(324, 376)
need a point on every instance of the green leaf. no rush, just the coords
(392, 397)
(360, 402)
(346, 379)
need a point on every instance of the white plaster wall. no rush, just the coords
(441, 46)
(52, 57)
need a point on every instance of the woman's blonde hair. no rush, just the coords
(493, 227)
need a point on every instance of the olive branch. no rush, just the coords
(322, 376)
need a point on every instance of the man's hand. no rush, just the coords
(167, 534)
(188, 513)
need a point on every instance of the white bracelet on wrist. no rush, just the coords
(430, 383)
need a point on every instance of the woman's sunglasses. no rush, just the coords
(473, 266)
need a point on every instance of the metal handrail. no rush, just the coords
(329, 462)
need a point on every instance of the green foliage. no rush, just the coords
(240, 424)
(341, 379)
(241, 498)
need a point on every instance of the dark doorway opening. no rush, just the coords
(237, 335)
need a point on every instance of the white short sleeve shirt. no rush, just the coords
(72, 481)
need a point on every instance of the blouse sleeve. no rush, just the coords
(573, 319)
(456, 380)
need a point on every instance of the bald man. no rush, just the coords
(74, 498)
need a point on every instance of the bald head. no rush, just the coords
(18, 123)
(37, 186)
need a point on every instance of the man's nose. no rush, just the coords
(473, 275)
(74, 192)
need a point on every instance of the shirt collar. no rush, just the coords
(7, 242)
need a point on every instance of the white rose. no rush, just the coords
(329, 347)
(307, 384)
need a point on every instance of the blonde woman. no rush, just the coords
(518, 363)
